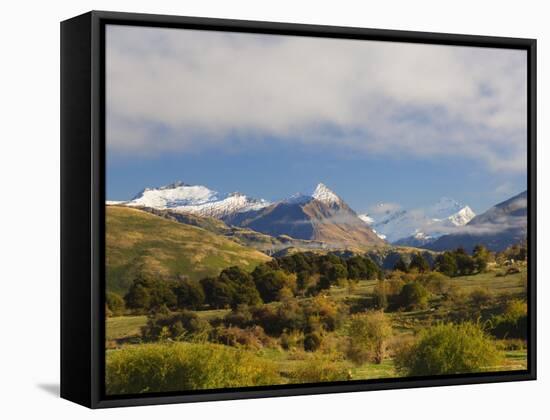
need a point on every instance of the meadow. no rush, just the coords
(330, 324)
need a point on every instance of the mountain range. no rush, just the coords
(322, 219)
(321, 216)
(416, 227)
(502, 225)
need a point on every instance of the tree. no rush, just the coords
(269, 282)
(161, 294)
(337, 272)
(218, 294)
(244, 288)
(362, 268)
(401, 265)
(446, 263)
(189, 294)
(368, 333)
(419, 263)
(115, 303)
(138, 297)
(380, 295)
(464, 263)
(324, 282)
(302, 280)
(481, 257)
(413, 296)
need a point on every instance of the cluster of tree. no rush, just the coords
(279, 279)
(418, 263)
(319, 272)
(308, 316)
(451, 263)
(251, 326)
(460, 263)
(516, 252)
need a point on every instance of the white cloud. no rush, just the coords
(173, 90)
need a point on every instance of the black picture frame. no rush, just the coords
(83, 210)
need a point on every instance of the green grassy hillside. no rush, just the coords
(137, 241)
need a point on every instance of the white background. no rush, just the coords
(29, 191)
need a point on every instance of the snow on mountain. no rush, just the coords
(369, 221)
(233, 203)
(174, 195)
(366, 218)
(196, 199)
(461, 217)
(324, 194)
(418, 225)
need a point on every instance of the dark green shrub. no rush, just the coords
(419, 263)
(401, 265)
(269, 282)
(138, 297)
(147, 294)
(362, 268)
(312, 341)
(448, 349)
(446, 264)
(189, 294)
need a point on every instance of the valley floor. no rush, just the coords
(123, 332)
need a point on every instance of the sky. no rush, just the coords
(271, 115)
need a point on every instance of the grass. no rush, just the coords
(498, 285)
(123, 327)
(140, 242)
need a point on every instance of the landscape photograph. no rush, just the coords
(286, 210)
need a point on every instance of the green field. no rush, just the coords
(404, 323)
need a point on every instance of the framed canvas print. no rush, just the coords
(255, 209)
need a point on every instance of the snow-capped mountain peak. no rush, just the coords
(461, 217)
(324, 194)
(443, 208)
(174, 195)
(197, 199)
(421, 223)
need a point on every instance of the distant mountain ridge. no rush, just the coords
(322, 219)
(499, 227)
(415, 227)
